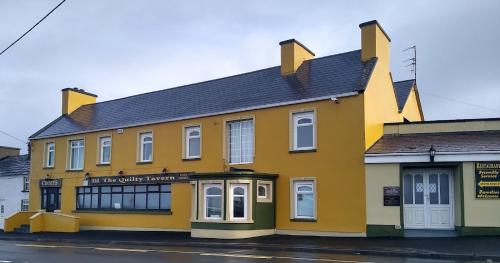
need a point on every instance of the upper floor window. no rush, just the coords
(146, 147)
(213, 201)
(105, 150)
(50, 149)
(76, 154)
(193, 142)
(241, 141)
(26, 184)
(303, 131)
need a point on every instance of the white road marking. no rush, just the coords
(235, 255)
(32, 245)
(5, 261)
(323, 259)
(122, 249)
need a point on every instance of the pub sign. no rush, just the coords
(487, 180)
(139, 179)
(44, 183)
(392, 196)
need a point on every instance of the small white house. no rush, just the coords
(14, 185)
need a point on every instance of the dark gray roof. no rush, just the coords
(442, 142)
(316, 78)
(403, 89)
(15, 166)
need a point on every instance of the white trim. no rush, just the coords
(439, 157)
(245, 201)
(296, 116)
(142, 136)
(187, 136)
(271, 105)
(117, 228)
(319, 233)
(205, 188)
(71, 154)
(101, 140)
(240, 122)
(47, 155)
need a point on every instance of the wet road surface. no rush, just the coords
(13, 252)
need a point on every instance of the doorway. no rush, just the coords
(51, 199)
(428, 199)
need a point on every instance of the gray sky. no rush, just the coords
(120, 48)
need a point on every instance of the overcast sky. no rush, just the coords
(117, 48)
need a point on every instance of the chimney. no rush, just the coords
(8, 151)
(375, 43)
(73, 98)
(293, 53)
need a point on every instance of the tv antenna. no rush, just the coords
(412, 62)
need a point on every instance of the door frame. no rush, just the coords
(426, 171)
(57, 196)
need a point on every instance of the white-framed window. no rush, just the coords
(146, 147)
(213, 201)
(50, 154)
(239, 199)
(304, 130)
(193, 142)
(241, 141)
(304, 199)
(26, 184)
(24, 204)
(76, 154)
(262, 190)
(105, 149)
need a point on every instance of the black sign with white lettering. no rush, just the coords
(139, 179)
(50, 183)
(392, 196)
(487, 180)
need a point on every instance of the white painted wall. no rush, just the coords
(11, 192)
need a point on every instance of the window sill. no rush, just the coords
(75, 170)
(48, 167)
(25, 191)
(302, 151)
(103, 164)
(303, 220)
(99, 211)
(191, 159)
(145, 162)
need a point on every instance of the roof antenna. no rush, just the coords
(412, 61)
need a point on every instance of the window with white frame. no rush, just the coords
(213, 201)
(241, 144)
(239, 201)
(303, 131)
(24, 205)
(26, 184)
(50, 150)
(105, 150)
(76, 154)
(146, 147)
(193, 142)
(304, 199)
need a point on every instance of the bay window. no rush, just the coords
(239, 201)
(213, 201)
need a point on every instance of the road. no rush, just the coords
(13, 252)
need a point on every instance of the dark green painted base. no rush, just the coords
(477, 231)
(383, 231)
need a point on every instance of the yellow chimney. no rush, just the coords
(293, 53)
(375, 43)
(73, 98)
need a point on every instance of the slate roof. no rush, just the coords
(442, 142)
(316, 78)
(403, 89)
(15, 165)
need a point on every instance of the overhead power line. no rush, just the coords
(461, 102)
(12, 136)
(29, 30)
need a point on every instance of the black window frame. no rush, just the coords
(163, 189)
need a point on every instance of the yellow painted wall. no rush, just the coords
(72, 100)
(478, 212)
(337, 165)
(411, 110)
(378, 176)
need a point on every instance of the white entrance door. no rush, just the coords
(428, 199)
(2, 212)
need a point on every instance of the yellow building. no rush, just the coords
(278, 150)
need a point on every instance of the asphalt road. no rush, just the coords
(13, 252)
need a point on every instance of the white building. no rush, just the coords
(14, 182)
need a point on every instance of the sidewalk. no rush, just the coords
(467, 248)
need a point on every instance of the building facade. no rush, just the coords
(435, 178)
(14, 182)
(278, 150)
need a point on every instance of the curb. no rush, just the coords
(272, 247)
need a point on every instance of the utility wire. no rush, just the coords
(12, 136)
(459, 101)
(29, 30)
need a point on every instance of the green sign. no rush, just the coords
(487, 180)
